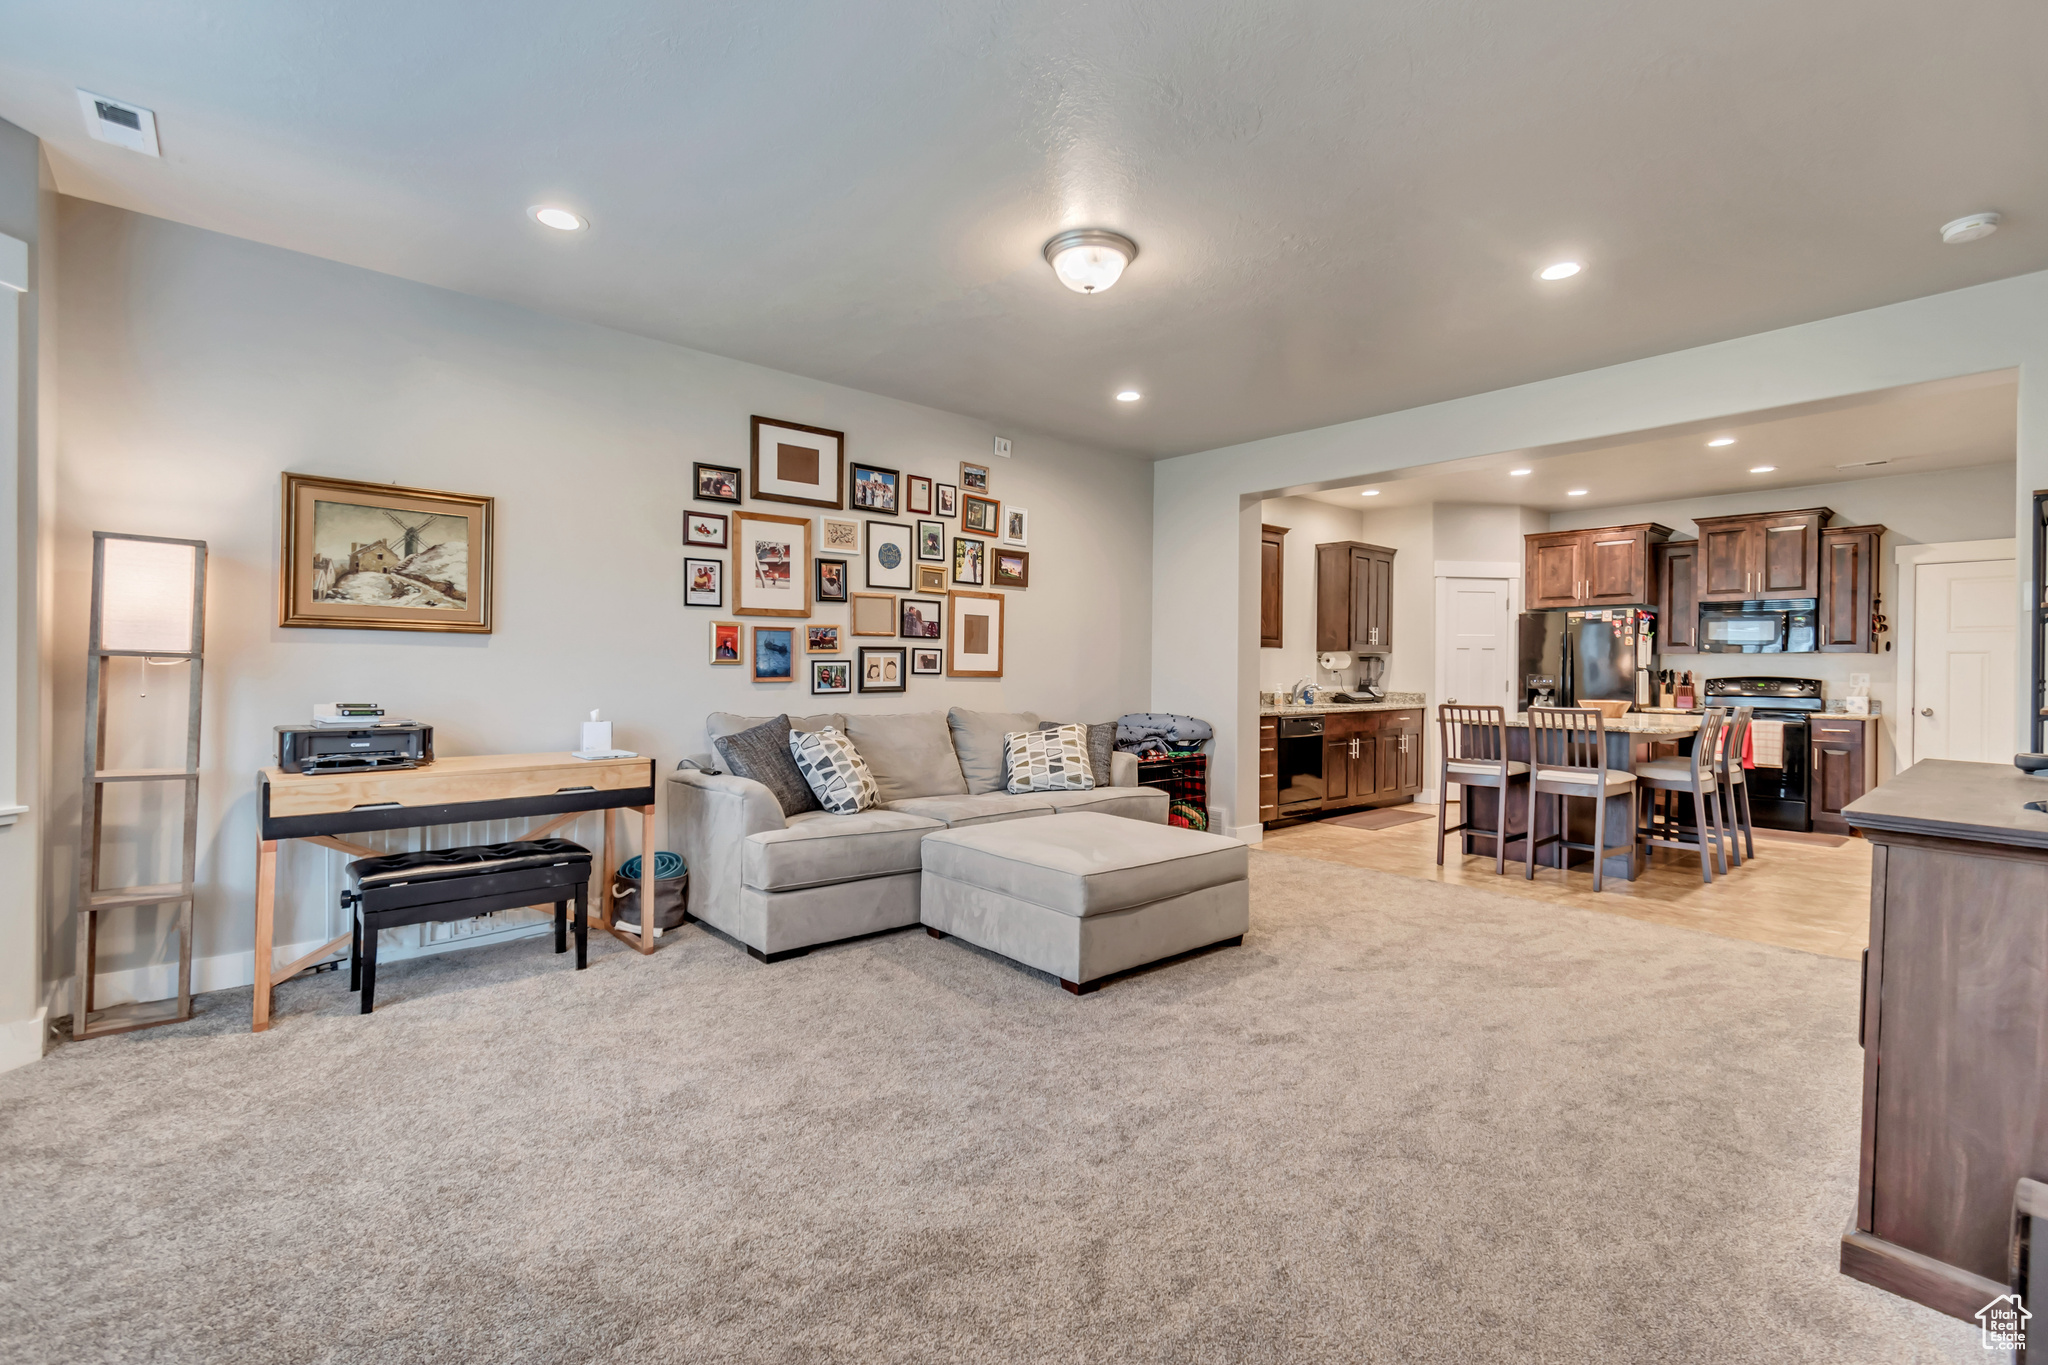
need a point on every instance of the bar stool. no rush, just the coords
(1475, 754)
(1568, 757)
(1697, 776)
(1735, 787)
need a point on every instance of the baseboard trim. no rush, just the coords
(22, 1040)
(1251, 834)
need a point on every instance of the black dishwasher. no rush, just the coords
(1301, 762)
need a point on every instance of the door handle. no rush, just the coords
(1926, 710)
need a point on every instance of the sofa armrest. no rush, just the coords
(1123, 769)
(710, 816)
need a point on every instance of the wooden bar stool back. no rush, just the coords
(1568, 757)
(1735, 787)
(1475, 754)
(1698, 777)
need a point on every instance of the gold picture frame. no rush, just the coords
(376, 556)
(974, 627)
(873, 613)
(771, 557)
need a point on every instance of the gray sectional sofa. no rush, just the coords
(782, 885)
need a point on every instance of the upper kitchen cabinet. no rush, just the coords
(1761, 555)
(1848, 589)
(1272, 584)
(1606, 567)
(1678, 608)
(1354, 598)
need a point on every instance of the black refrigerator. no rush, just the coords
(1568, 657)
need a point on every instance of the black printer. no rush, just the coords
(347, 749)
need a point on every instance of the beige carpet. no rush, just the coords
(1404, 1122)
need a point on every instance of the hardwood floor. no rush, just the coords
(1798, 892)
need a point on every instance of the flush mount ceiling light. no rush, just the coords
(1720, 441)
(1764, 469)
(560, 219)
(1518, 473)
(1370, 493)
(1129, 396)
(1563, 270)
(1090, 260)
(1969, 229)
(1575, 492)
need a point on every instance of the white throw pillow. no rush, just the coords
(1053, 760)
(834, 768)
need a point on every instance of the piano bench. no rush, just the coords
(460, 883)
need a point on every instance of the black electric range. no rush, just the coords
(1777, 795)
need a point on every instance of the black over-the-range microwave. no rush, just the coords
(1783, 626)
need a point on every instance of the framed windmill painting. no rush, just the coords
(375, 556)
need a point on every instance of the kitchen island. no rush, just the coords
(1954, 1030)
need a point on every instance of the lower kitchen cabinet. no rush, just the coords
(1844, 767)
(1269, 769)
(1371, 758)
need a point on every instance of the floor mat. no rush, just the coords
(1391, 817)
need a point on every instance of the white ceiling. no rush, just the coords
(1340, 206)
(1949, 424)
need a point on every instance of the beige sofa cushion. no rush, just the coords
(910, 755)
(1132, 803)
(956, 811)
(978, 740)
(721, 723)
(1084, 863)
(819, 848)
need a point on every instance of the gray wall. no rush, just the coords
(198, 367)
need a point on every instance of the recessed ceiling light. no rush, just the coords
(1129, 396)
(1575, 492)
(1370, 493)
(1090, 260)
(1969, 229)
(1720, 441)
(1764, 469)
(1518, 473)
(561, 220)
(1563, 270)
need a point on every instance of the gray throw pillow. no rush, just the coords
(762, 754)
(1101, 744)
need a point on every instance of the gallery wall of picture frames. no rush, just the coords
(929, 555)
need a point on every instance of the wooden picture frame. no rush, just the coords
(838, 537)
(982, 516)
(974, 627)
(704, 583)
(931, 542)
(873, 489)
(968, 561)
(707, 530)
(946, 500)
(973, 477)
(884, 668)
(1009, 568)
(931, 662)
(917, 495)
(829, 579)
(768, 556)
(889, 555)
(728, 643)
(931, 579)
(805, 465)
(774, 654)
(920, 618)
(715, 482)
(873, 613)
(375, 556)
(822, 639)
(831, 677)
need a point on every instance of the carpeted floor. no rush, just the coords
(1404, 1122)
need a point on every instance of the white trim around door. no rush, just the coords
(1447, 570)
(1908, 558)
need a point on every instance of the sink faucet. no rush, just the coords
(1303, 693)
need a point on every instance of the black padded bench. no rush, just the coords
(458, 883)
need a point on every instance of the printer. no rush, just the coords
(354, 748)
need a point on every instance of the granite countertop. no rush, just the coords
(1395, 701)
(1832, 711)
(1980, 802)
(1664, 726)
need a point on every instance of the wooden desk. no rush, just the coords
(320, 807)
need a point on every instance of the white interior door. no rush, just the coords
(1962, 662)
(1474, 637)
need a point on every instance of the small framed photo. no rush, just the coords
(831, 579)
(726, 641)
(922, 618)
(888, 555)
(716, 482)
(822, 640)
(709, 529)
(796, 463)
(946, 500)
(874, 613)
(927, 661)
(769, 554)
(870, 488)
(917, 495)
(838, 537)
(774, 654)
(882, 668)
(703, 582)
(967, 562)
(931, 578)
(983, 516)
(831, 677)
(931, 542)
(1012, 568)
(973, 477)
(1016, 526)
(976, 627)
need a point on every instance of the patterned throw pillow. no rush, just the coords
(1101, 744)
(1049, 760)
(837, 773)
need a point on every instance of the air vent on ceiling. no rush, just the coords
(119, 122)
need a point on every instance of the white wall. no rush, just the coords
(1210, 500)
(1310, 523)
(1914, 509)
(198, 367)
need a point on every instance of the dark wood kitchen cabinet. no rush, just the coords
(1761, 555)
(1269, 769)
(1848, 588)
(1371, 758)
(1272, 584)
(1843, 767)
(1604, 567)
(1354, 598)
(1678, 604)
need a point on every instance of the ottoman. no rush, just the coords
(1085, 896)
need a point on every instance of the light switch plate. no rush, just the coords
(1003, 446)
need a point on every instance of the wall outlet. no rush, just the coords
(1003, 446)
